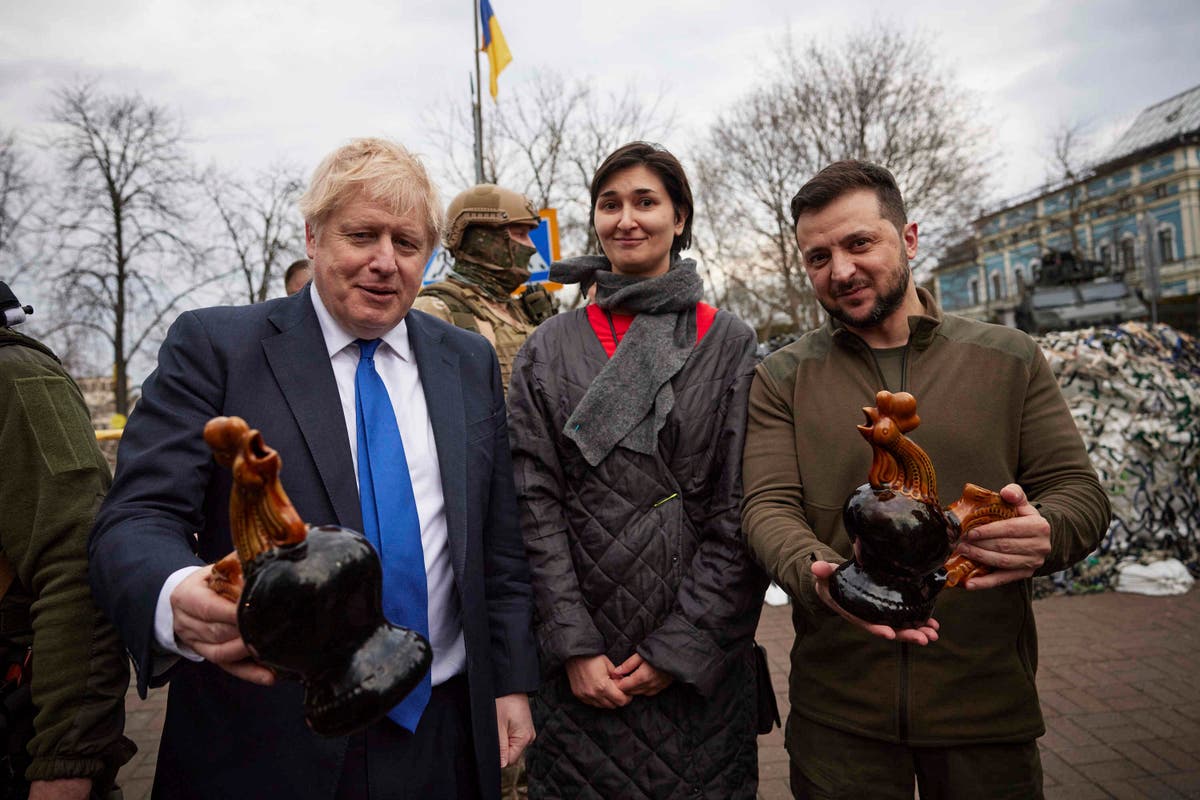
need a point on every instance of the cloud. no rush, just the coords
(266, 80)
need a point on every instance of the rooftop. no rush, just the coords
(1166, 120)
(1161, 122)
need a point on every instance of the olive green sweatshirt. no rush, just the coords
(53, 478)
(992, 414)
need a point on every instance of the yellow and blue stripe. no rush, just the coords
(494, 45)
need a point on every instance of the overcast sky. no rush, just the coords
(262, 80)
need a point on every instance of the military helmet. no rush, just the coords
(486, 204)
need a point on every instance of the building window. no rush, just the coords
(1128, 253)
(1166, 245)
(1106, 255)
(996, 286)
(973, 291)
(1160, 191)
(1125, 202)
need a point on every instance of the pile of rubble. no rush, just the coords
(1135, 394)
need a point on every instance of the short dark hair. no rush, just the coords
(295, 267)
(658, 160)
(843, 177)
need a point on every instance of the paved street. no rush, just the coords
(1118, 680)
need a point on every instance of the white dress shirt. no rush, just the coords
(396, 365)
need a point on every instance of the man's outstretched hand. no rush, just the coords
(1011, 549)
(206, 622)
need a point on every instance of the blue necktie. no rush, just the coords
(389, 511)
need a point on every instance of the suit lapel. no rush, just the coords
(441, 382)
(299, 359)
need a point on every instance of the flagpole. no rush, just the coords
(478, 101)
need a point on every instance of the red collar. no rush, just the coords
(606, 325)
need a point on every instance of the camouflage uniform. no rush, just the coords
(478, 296)
(488, 267)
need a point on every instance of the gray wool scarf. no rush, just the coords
(628, 402)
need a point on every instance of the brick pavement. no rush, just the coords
(1118, 680)
(143, 724)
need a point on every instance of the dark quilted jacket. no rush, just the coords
(642, 553)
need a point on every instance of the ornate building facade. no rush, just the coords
(1122, 241)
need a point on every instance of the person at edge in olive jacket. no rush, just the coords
(954, 704)
(53, 480)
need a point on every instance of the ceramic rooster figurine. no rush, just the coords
(901, 535)
(309, 598)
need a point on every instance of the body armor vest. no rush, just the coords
(505, 324)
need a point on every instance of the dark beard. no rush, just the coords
(885, 304)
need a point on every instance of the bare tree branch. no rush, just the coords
(1068, 165)
(18, 204)
(545, 138)
(262, 230)
(125, 260)
(878, 96)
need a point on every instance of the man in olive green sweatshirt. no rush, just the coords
(952, 703)
(52, 480)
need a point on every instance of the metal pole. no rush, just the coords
(478, 93)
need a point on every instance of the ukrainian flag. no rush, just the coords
(494, 45)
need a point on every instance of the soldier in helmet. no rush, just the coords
(487, 232)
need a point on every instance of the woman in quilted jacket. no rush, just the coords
(627, 422)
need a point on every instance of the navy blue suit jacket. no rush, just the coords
(168, 508)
